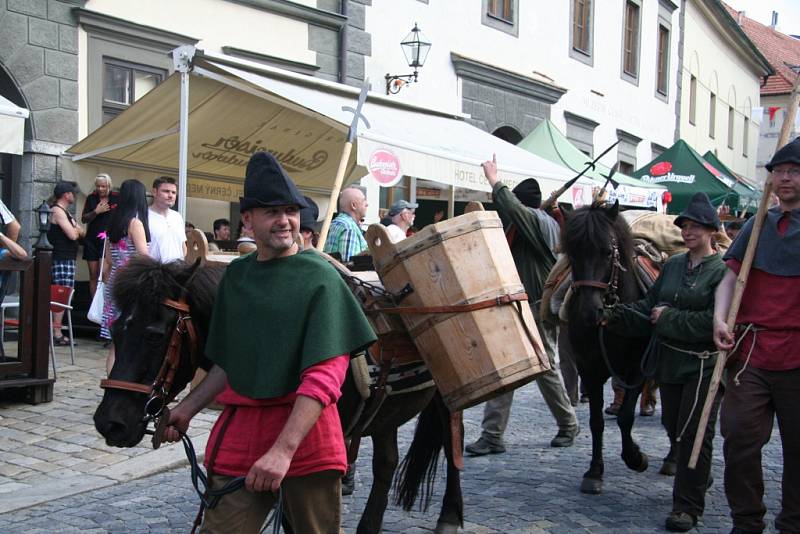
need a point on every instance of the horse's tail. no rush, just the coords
(418, 469)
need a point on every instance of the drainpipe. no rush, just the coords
(343, 45)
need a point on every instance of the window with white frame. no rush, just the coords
(124, 61)
(501, 15)
(731, 117)
(501, 9)
(692, 100)
(745, 134)
(662, 75)
(124, 83)
(663, 48)
(630, 40)
(581, 21)
(712, 115)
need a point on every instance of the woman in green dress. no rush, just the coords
(678, 313)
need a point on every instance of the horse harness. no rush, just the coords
(158, 392)
(610, 298)
(156, 410)
(611, 288)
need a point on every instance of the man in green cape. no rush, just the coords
(282, 329)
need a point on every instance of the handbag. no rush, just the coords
(95, 313)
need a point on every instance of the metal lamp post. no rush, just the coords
(415, 47)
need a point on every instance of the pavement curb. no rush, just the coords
(141, 466)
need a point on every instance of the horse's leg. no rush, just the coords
(593, 478)
(384, 463)
(451, 515)
(634, 458)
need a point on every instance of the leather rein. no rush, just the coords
(610, 298)
(611, 288)
(159, 394)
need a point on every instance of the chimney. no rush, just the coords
(774, 20)
(740, 18)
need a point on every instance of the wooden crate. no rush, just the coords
(474, 355)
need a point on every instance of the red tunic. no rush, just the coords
(257, 423)
(771, 302)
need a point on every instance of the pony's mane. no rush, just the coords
(148, 282)
(589, 227)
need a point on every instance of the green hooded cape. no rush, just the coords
(273, 319)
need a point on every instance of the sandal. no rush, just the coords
(61, 341)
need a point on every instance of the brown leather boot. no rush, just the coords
(616, 404)
(647, 403)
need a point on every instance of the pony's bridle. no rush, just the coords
(159, 394)
(611, 288)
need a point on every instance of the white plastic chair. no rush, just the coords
(61, 300)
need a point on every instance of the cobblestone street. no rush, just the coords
(83, 486)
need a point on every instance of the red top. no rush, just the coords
(771, 302)
(257, 423)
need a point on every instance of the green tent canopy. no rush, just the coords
(548, 142)
(748, 196)
(684, 172)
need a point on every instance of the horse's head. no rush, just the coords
(598, 243)
(143, 292)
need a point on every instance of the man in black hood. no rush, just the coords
(533, 237)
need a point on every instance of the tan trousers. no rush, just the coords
(311, 505)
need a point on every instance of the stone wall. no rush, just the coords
(325, 42)
(496, 97)
(39, 52)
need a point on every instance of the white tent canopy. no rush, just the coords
(12, 127)
(238, 107)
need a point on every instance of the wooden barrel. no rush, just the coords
(472, 355)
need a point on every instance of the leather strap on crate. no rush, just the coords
(459, 308)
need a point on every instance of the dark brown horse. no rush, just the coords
(145, 291)
(598, 243)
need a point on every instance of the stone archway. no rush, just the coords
(509, 134)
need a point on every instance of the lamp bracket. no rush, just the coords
(394, 88)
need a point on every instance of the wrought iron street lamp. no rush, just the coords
(44, 226)
(415, 47)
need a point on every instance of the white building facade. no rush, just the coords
(75, 64)
(602, 70)
(721, 74)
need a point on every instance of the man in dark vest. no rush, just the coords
(64, 234)
(764, 378)
(533, 235)
(282, 329)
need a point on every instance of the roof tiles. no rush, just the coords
(778, 48)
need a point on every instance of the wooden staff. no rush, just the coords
(741, 280)
(348, 147)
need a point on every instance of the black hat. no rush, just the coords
(62, 188)
(790, 153)
(309, 215)
(267, 184)
(700, 211)
(528, 193)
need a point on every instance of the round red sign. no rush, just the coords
(661, 168)
(384, 166)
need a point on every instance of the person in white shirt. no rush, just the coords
(167, 230)
(12, 226)
(402, 214)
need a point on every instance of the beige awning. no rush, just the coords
(12, 127)
(234, 112)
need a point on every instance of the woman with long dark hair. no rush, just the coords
(128, 234)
